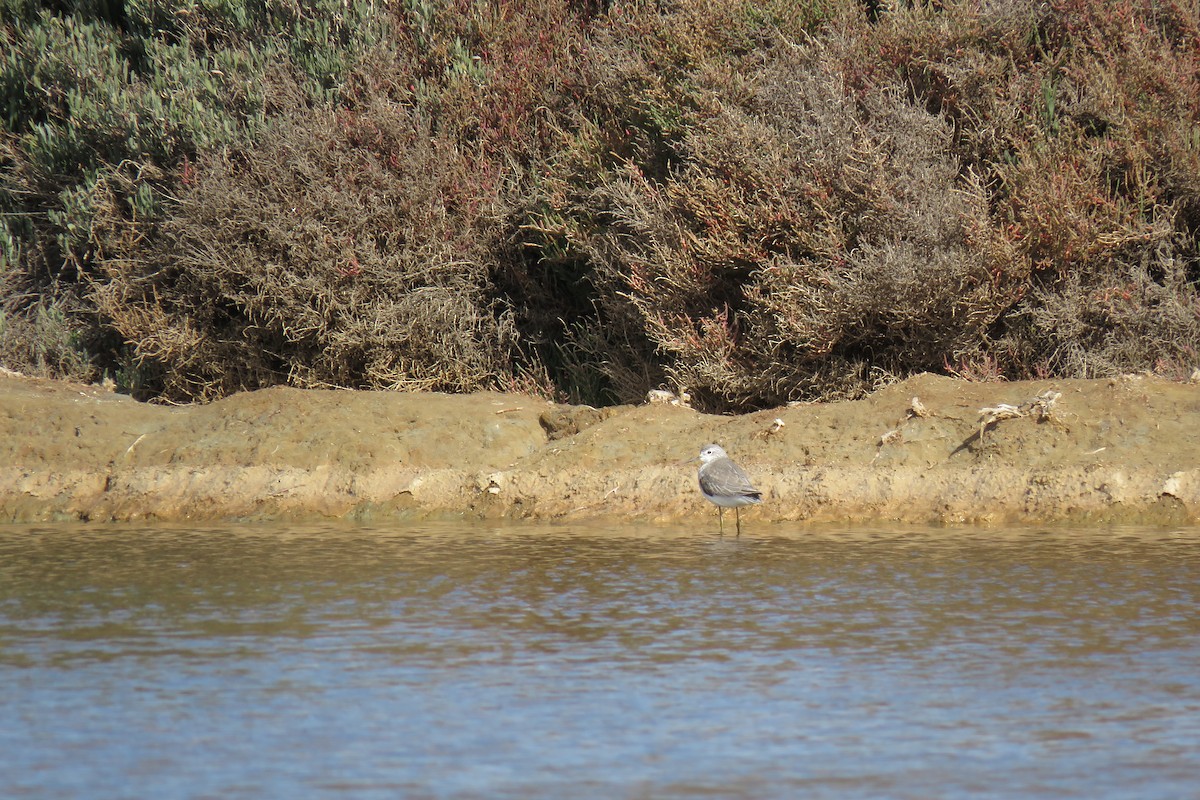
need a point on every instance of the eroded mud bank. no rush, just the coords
(1109, 450)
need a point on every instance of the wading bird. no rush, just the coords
(725, 484)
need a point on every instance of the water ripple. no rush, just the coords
(461, 660)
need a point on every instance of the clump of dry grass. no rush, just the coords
(344, 250)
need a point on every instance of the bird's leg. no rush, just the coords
(721, 518)
(737, 514)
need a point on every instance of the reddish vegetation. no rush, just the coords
(761, 201)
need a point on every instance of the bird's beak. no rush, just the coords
(685, 461)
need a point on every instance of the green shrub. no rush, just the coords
(45, 343)
(104, 108)
(78, 108)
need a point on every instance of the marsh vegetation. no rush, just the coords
(761, 201)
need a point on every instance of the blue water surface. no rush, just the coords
(468, 660)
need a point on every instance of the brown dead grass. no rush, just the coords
(343, 251)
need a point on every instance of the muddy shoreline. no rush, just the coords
(1119, 450)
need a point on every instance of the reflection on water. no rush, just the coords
(544, 662)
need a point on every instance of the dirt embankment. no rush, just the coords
(1107, 450)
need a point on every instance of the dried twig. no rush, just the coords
(1040, 408)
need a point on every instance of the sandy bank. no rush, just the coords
(1110, 450)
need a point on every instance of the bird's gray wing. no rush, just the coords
(725, 478)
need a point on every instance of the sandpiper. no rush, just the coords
(725, 484)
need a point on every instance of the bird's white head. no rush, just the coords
(711, 452)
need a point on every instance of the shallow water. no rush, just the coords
(469, 660)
